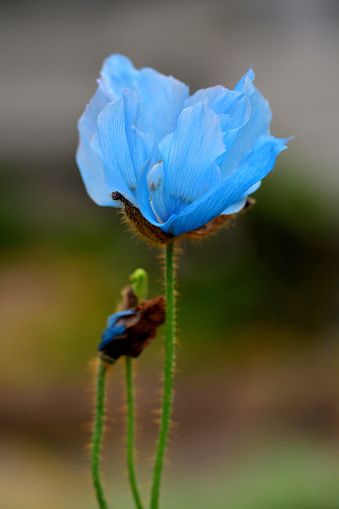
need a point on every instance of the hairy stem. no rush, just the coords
(139, 280)
(130, 432)
(169, 363)
(97, 434)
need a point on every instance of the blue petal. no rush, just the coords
(111, 143)
(188, 157)
(218, 98)
(125, 151)
(114, 330)
(240, 204)
(235, 207)
(143, 148)
(254, 168)
(249, 75)
(117, 74)
(161, 98)
(155, 184)
(253, 188)
(127, 147)
(210, 95)
(89, 163)
(110, 334)
(241, 142)
(115, 317)
(238, 113)
(232, 106)
(95, 174)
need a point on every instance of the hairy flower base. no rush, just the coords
(155, 235)
(130, 331)
(213, 227)
(139, 224)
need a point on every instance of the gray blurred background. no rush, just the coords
(258, 314)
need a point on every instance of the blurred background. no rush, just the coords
(257, 402)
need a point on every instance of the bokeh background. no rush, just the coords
(257, 401)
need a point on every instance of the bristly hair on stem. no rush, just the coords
(168, 378)
(130, 432)
(97, 434)
(139, 281)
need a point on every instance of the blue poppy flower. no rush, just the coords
(175, 161)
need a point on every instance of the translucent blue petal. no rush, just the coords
(253, 188)
(240, 204)
(155, 184)
(160, 98)
(238, 113)
(232, 106)
(143, 147)
(114, 156)
(88, 119)
(255, 167)
(211, 95)
(89, 163)
(220, 99)
(249, 75)
(92, 173)
(188, 157)
(241, 142)
(235, 207)
(114, 149)
(97, 175)
(117, 74)
(125, 151)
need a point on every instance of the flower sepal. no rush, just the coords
(139, 224)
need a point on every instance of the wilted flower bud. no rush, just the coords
(128, 332)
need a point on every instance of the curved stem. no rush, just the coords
(139, 280)
(130, 433)
(97, 434)
(169, 363)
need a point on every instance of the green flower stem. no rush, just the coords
(139, 281)
(168, 383)
(130, 432)
(97, 436)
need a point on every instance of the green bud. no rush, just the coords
(139, 280)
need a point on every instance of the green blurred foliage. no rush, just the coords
(268, 283)
(270, 267)
(274, 269)
(275, 476)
